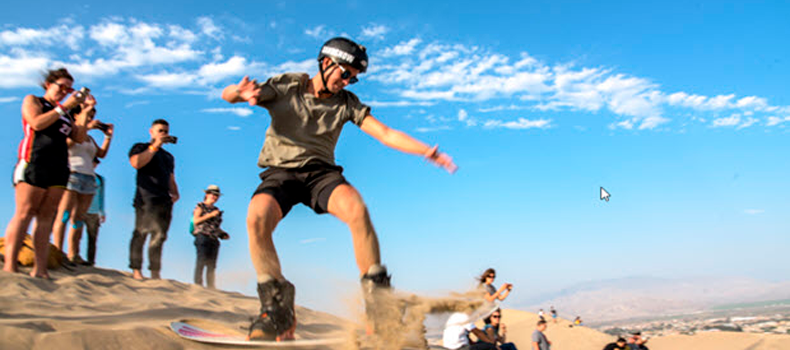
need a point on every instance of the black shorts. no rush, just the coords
(310, 185)
(40, 175)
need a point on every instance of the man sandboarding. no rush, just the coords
(307, 116)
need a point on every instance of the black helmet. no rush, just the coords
(343, 50)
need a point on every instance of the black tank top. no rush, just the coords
(47, 147)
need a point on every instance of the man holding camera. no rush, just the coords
(153, 200)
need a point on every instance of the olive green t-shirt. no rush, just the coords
(304, 128)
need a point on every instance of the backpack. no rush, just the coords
(192, 226)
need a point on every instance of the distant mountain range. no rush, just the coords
(647, 297)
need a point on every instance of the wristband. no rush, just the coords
(60, 110)
(152, 148)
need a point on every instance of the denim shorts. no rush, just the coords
(82, 183)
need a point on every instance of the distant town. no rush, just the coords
(764, 318)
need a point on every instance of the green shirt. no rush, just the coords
(304, 128)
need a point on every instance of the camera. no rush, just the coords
(170, 139)
(103, 127)
(82, 92)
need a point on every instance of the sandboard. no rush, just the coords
(192, 332)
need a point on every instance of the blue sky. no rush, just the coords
(679, 110)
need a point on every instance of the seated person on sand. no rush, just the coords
(617, 345)
(637, 342)
(578, 321)
(497, 331)
(487, 280)
(456, 334)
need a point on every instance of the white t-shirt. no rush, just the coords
(456, 331)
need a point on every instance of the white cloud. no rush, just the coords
(382, 104)
(54, 36)
(503, 108)
(754, 211)
(732, 120)
(181, 34)
(168, 80)
(772, 121)
(136, 103)
(208, 27)
(8, 99)
(239, 111)
(234, 128)
(432, 128)
(747, 123)
(464, 117)
(436, 71)
(312, 240)
(403, 48)
(375, 31)
(318, 32)
(214, 72)
(22, 69)
(520, 123)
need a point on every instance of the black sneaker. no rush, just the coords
(376, 291)
(277, 310)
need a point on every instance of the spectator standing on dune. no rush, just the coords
(154, 198)
(492, 293)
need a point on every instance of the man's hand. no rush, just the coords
(248, 90)
(441, 159)
(174, 197)
(503, 328)
(103, 218)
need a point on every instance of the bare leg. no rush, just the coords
(66, 204)
(46, 214)
(28, 199)
(83, 201)
(346, 204)
(263, 215)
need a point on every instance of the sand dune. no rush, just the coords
(93, 308)
(722, 341)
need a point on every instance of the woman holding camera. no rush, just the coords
(81, 187)
(41, 175)
(207, 218)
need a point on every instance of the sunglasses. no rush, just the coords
(491, 276)
(496, 316)
(346, 74)
(65, 88)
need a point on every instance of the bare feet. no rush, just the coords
(137, 274)
(155, 275)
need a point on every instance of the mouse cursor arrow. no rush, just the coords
(605, 195)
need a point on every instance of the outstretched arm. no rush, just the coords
(405, 143)
(244, 91)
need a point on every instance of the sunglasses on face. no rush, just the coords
(491, 276)
(346, 74)
(496, 316)
(65, 88)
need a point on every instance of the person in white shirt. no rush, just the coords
(456, 334)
